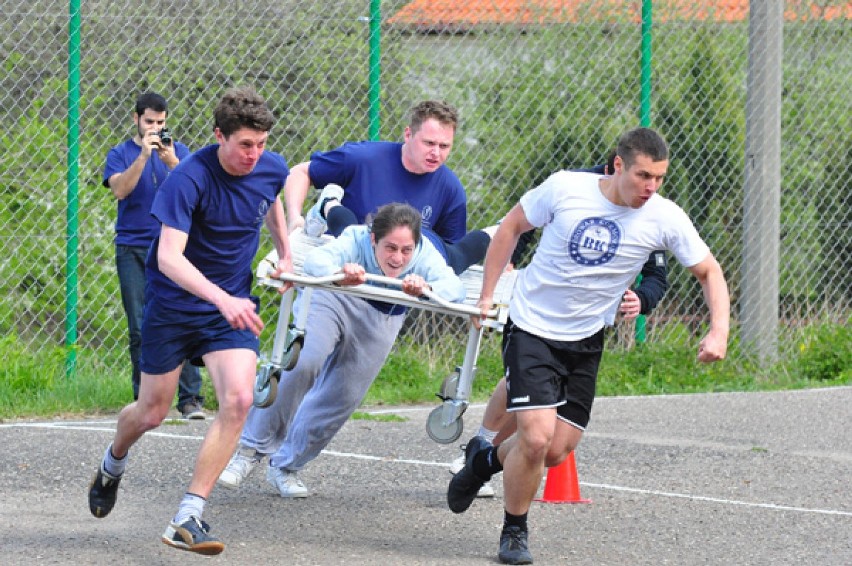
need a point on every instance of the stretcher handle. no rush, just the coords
(390, 281)
(431, 295)
(381, 279)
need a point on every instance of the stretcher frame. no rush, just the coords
(445, 423)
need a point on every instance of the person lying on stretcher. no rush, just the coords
(348, 341)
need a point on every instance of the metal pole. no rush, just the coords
(72, 188)
(762, 198)
(375, 68)
(640, 331)
(645, 102)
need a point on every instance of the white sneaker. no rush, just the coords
(242, 463)
(315, 224)
(287, 483)
(487, 490)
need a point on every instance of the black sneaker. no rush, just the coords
(465, 484)
(514, 548)
(193, 535)
(192, 411)
(103, 492)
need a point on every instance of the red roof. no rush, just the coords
(442, 14)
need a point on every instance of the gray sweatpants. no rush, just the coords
(346, 343)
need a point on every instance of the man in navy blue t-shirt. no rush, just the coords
(198, 302)
(359, 177)
(134, 171)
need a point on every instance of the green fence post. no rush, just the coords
(72, 180)
(375, 67)
(645, 119)
(645, 100)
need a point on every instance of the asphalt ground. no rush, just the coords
(733, 478)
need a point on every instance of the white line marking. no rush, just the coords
(389, 459)
(84, 425)
(718, 500)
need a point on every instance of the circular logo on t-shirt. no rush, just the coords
(594, 241)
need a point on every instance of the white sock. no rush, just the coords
(488, 435)
(112, 465)
(191, 506)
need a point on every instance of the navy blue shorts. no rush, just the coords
(170, 336)
(543, 373)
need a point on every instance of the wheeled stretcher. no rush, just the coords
(445, 423)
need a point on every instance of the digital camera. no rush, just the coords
(165, 136)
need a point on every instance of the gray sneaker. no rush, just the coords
(193, 535)
(238, 469)
(315, 224)
(286, 482)
(514, 548)
(192, 411)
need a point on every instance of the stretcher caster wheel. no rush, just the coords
(265, 386)
(291, 356)
(438, 432)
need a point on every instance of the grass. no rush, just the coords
(384, 418)
(35, 386)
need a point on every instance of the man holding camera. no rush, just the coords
(134, 171)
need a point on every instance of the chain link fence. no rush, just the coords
(540, 86)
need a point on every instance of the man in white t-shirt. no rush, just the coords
(597, 233)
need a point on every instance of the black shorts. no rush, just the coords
(543, 373)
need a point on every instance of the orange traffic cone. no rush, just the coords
(562, 485)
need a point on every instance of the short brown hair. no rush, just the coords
(642, 140)
(242, 107)
(441, 111)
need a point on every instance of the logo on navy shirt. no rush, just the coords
(594, 241)
(262, 209)
(426, 216)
